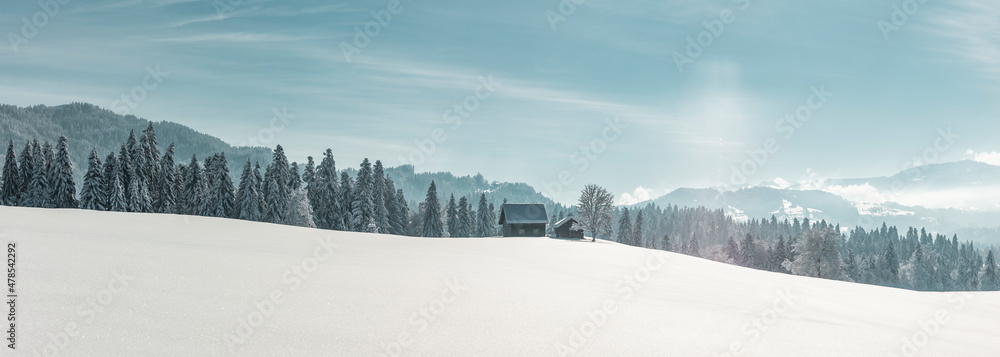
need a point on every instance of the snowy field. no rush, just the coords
(119, 284)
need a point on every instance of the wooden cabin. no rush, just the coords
(523, 220)
(564, 229)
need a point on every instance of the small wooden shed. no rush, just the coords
(523, 220)
(564, 229)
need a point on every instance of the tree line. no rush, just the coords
(916, 260)
(138, 178)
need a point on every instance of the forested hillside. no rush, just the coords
(87, 126)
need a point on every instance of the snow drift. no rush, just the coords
(100, 283)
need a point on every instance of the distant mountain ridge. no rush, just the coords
(959, 174)
(816, 201)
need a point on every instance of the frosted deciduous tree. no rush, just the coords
(595, 211)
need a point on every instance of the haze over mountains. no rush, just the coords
(949, 198)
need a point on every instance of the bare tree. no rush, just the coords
(595, 211)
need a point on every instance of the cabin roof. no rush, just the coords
(523, 213)
(567, 220)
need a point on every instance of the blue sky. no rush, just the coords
(556, 87)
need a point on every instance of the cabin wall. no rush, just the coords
(524, 230)
(566, 231)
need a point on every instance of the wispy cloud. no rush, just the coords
(250, 10)
(970, 32)
(546, 94)
(126, 4)
(242, 37)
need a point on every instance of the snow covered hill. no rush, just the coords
(104, 284)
